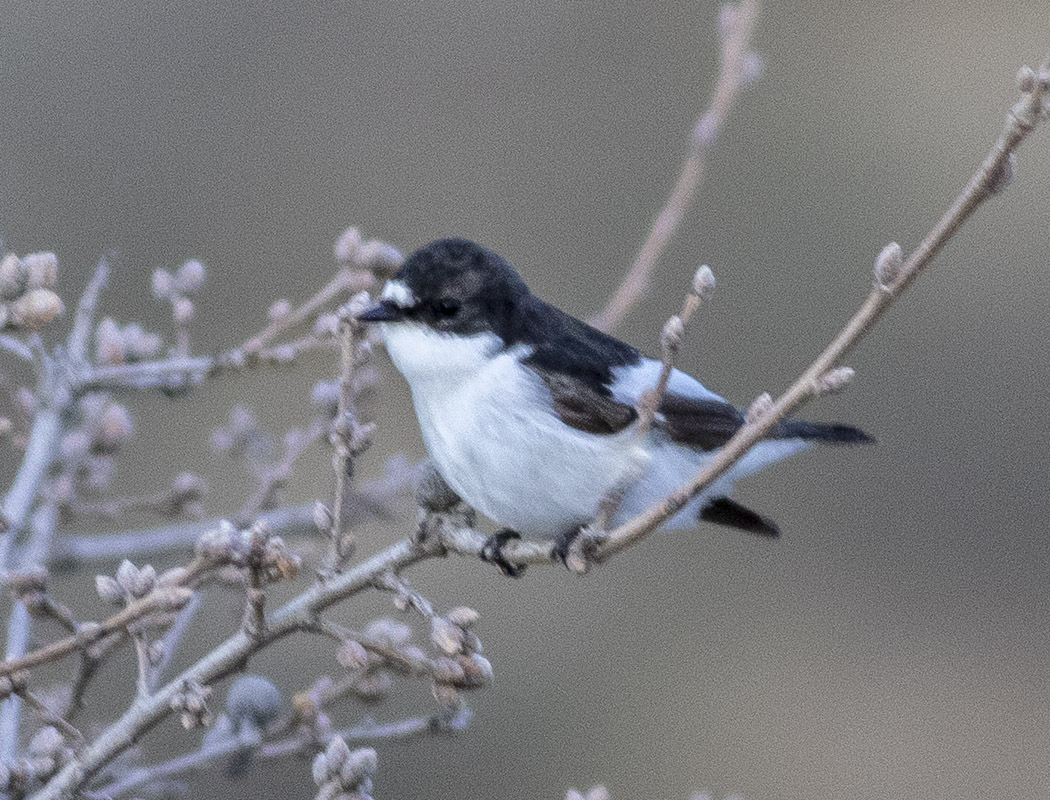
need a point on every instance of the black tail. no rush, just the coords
(828, 433)
(723, 511)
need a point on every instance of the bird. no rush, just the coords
(528, 413)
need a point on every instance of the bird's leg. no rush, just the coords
(563, 544)
(492, 552)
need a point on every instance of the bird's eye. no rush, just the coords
(446, 308)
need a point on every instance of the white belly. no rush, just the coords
(496, 444)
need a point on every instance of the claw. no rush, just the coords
(492, 552)
(562, 545)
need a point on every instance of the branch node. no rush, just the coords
(834, 380)
(760, 407)
(888, 265)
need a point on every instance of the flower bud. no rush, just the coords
(13, 277)
(190, 276)
(347, 245)
(703, 281)
(888, 265)
(352, 655)
(35, 309)
(182, 310)
(463, 616)
(759, 407)
(163, 284)
(381, 258)
(41, 270)
(447, 638)
(278, 310)
(835, 380)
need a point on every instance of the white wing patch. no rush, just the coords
(630, 382)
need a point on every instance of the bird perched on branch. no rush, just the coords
(529, 413)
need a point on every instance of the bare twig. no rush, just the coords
(342, 541)
(349, 437)
(80, 335)
(49, 717)
(254, 606)
(20, 623)
(647, 406)
(346, 281)
(276, 475)
(142, 661)
(365, 733)
(286, 522)
(43, 444)
(16, 347)
(159, 373)
(163, 599)
(171, 640)
(984, 183)
(736, 24)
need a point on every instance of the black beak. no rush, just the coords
(383, 311)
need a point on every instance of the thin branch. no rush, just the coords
(365, 733)
(285, 522)
(40, 451)
(298, 614)
(83, 322)
(16, 347)
(988, 180)
(49, 717)
(172, 639)
(20, 623)
(144, 680)
(371, 500)
(162, 599)
(736, 24)
(344, 435)
(275, 476)
(345, 281)
(156, 374)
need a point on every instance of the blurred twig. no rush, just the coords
(737, 66)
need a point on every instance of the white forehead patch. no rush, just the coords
(399, 294)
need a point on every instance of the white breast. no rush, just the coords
(489, 425)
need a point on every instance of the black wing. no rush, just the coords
(582, 407)
(708, 424)
(703, 423)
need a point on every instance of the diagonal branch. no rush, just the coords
(990, 179)
(736, 25)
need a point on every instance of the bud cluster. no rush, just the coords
(379, 258)
(344, 774)
(28, 301)
(191, 702)
(116, 344)
(177, 288)
(250, 548)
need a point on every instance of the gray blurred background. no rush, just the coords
(894, 642)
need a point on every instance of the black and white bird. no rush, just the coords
(527, 412)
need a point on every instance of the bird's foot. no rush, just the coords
(563, 544)
(576, 549)
(492, 552)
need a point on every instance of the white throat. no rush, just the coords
(425, 356)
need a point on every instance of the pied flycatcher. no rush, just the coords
(527, 412)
